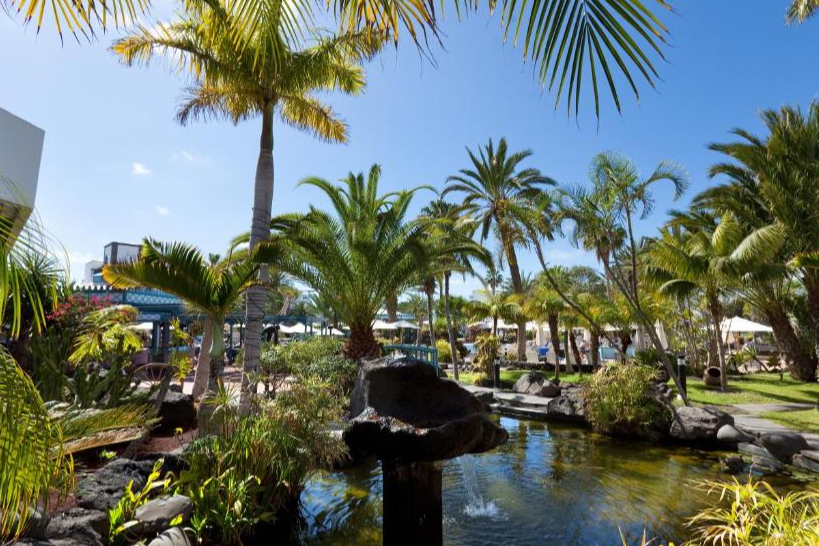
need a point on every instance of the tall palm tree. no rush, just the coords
(182, 270)
(494, 305)
(358, 254)
(547, 304)
(416, 305)
(772, 189)
(229, 81)
(447, 224)
(500, 195)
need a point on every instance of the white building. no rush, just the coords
(21, 148)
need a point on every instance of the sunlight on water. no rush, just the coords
(475, 507)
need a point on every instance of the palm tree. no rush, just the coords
(500, 195)
(181, 270)
(445, 225)
(547, 304)
(494, 305)
(230, 82)
(772, 191)
(359, 254)
(416, 305)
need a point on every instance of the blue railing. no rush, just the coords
(427, 354)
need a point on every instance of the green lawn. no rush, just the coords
(757, 388)
(510, 376)
(806, 420)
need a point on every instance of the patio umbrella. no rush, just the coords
(381, 325)
(743, 325)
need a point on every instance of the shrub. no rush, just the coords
(316, 358)
(754, 514)
(253, 473)
(121, 516)
(444, 351)
(619, 401)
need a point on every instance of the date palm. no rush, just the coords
(546, 304)
(357, 255)
(231, 81)
(500, 195)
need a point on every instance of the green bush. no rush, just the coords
(254, 471)
(619, 401)
(444, 351)
(313, 358)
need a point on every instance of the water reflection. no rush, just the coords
(547, 485)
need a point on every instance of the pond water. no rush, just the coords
(549, 485)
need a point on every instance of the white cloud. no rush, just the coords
(139, 169)
(162, 211)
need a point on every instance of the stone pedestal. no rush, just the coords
(413, 514)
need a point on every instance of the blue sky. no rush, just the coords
(117, 167)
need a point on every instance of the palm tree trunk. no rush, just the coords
(392, 307)
(810, 281)
(361, 344)
(801, 364)
(517, 285)
(453, 346)
(259, 232)
(569, 367)
(216, 352)
(575, 352)
(429, 288)
(554, 334)
(715, 308)
(594, 348)
(200, 379)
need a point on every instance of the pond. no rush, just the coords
(549, 485)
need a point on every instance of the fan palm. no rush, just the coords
(501, 195)
(359, 254)
(231, 82)
(182, 270)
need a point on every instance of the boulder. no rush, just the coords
(803, 462)
(784, 445)
(732, 435)
(402, 412)
(102, 490)
(156, 515)
(732, 465)
(569, 406)
(174, 536)
(698, 424)
(77, 521)
(485, 397)
(177, 411)
(536, 384)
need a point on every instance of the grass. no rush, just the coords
(511, 376)
(752, 389)
(806, 420)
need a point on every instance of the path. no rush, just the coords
(749, 416)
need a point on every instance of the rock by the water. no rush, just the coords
(805, 462)
(784, 445)
(174, 536)
(535, 383)
(755, 450)
(102, 490)
(177, 411)
(156, 515)
(402, 412)
(485, 397)
(732, 435)
(732, 465)
(76, 521)
(569, 406)
(698, 424)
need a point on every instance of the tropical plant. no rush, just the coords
(230, 82)
(753, 513)
(494, 305)
(416, 305)
(547, 304)
(488, 348)
(500, 195)
(254, 472)
(772, 182)
(619, 401)
(121, 516)
(183, 271)
(359, 254)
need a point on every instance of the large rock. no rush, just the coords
(177, 411)
(569, 406)
(77, 521)
(102, 490)
(536, 384)
(402, 412)
(156, 515)
(174, 536)
(730, 434)
(804, 462)
(698, 424)
(784, 445)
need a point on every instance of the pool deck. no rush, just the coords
(747, 416)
